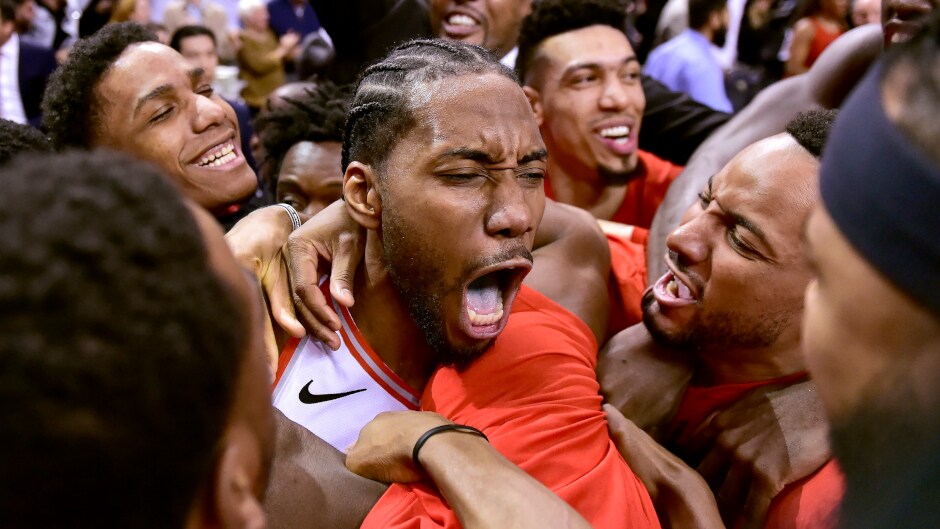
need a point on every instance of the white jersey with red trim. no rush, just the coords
(335, 393)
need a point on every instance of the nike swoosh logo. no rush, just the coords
(309, 398)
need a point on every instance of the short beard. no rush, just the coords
(718, 331)
(887, 448)
(410, 265)
(614, 177)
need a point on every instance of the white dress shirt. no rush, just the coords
(11, 105)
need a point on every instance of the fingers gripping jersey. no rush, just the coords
(335, 393)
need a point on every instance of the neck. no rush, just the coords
(736, 366)
(706, 32)
(585, 190)
(383, 319)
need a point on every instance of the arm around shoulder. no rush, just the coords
(572, 262)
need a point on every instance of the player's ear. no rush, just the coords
(360, 189)
(535, 101)
(236, 506)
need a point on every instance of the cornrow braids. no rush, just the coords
(383, 108)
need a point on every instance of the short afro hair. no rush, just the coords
(70, 107)
(16, 139)
(811, 129)
(120, 346)
(317, 115)
(185, 32)
(554, 17)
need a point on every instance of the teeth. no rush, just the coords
(222, 156)
(621, 131)
(461, 20)
(487, 319)
(673, 287)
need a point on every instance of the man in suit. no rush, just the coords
(204, 13)
(24, 69)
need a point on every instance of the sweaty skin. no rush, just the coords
(825, 86)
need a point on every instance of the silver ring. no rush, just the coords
(294, 217)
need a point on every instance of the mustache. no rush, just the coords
(673, 257)
(513, 252)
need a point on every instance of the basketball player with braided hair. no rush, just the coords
(444, 170)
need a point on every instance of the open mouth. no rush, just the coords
(223, 154)
(488, 298)
(672, 291)
(460, 24)
(619, 138)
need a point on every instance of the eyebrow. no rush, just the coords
(485, 158)
(161, 91)
(743, 221)
(589, 64)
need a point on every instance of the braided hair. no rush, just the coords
(383, 108)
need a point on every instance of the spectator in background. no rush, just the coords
(51, 27)
(866, 12)
(202, 13)
(261, 56)
(131, 11)
(24, 15)
(315, 58)
(197, 45)
(163, 36)
(24, 70)
(687, 64)
(292, 16)
(303, 141)
(822, 22)
(94, 16)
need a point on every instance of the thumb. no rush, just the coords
(346, 257)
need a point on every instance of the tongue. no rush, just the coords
(684, 292)
(483, 294)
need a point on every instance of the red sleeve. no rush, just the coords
(536, 397)
(647, 190)
(627, 282)
(811, 503)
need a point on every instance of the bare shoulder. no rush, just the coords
(642, 379)
(803, 27)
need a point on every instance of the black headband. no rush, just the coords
(884, 194)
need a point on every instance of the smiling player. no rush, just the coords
(122, 90)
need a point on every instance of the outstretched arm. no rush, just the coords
(827, 83)
(484, 488)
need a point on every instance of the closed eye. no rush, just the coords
(205, 91)
(162, 115)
